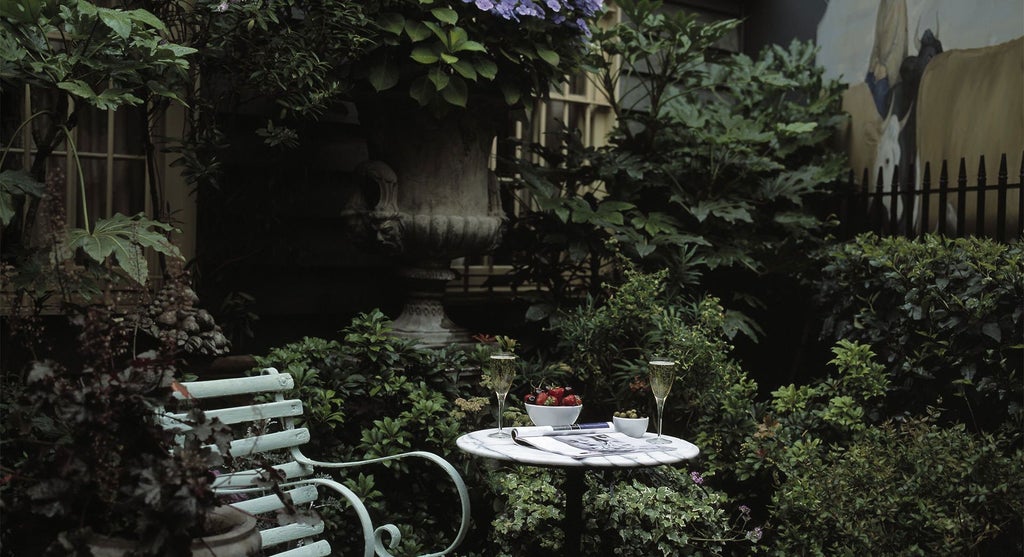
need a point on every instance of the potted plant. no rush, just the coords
(97, 471)
(432, 95)
(90, 465)
(448, 54)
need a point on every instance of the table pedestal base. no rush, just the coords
(573, 525)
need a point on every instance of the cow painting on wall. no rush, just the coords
(926, 79)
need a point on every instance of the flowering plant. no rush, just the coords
(441, 51)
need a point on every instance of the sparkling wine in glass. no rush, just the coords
(661, 373)
(502, 369)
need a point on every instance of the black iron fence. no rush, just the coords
(939, 203)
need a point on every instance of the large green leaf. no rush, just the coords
(112, 98)
(797, 127)
(469, 45)
(655, 223)
(486, 68)
(438, 77)
(416, 30)
(117, 20)
(422, 91)
(15, 183)
(392, 23)
(446, 15)
(147, 18)
(78, 88)
(725, 209)
(466, 69)
(512, 92)
(457, 92)
(549, 56)
(124, 238)
(425, 54)
(383, 75)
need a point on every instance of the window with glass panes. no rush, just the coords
(106, 152)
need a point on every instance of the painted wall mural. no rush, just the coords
(927, 80)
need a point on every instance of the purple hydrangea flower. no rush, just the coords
(557, 11)
(755, 534)
(696, 477)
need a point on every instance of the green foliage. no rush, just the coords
(442, 55)
(106, 57)
(912, 488)
(607, 346)
(75, 54)
(708, 173)
(15, 183)
(630, 513)
(85, 454)
(373, 395)
(666, 512)
(289, 51)
(528, 520)
(944, 315)
(125, 239)
(802, 422)
(836, 473)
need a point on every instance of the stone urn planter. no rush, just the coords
(431, 198)
(233, 534)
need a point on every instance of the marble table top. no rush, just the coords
(478, 443)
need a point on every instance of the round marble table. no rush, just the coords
(479, 443)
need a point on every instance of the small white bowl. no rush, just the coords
(553, 415)
(633, 427)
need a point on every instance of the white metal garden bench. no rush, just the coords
(283, 446)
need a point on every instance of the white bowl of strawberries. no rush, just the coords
(553, 406)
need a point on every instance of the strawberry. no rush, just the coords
(541, 399)
(571, 400)
(530, 398)
(557, 392)
(552, 401)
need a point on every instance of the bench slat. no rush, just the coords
(268, 503)
(318, 549)
(268, 442)
(290, 532)
(248, 478)
(237, 386)
(239, 414)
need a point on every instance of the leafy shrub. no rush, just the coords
(530, 511)
(912, 488)
(803, 423)
(607, 345)
(665, 511)
(374, 395)
(709, 172)
(944, 315)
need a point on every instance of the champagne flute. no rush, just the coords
(662, 373)
(503, 370)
